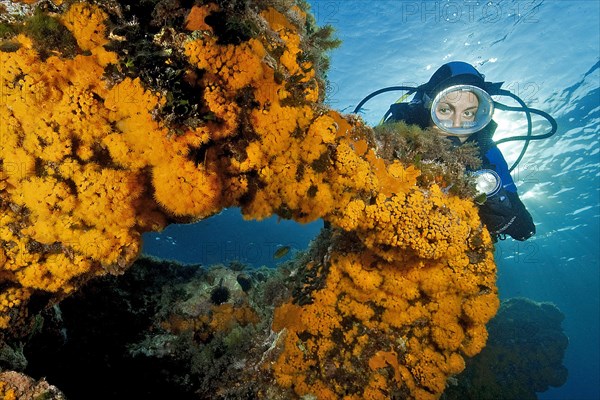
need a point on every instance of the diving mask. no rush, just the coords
(462, 109)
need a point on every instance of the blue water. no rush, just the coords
(548, 53)
(227, 237)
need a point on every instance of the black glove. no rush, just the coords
(504, 213)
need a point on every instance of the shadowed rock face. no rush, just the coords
(155, 331)
(524, 355)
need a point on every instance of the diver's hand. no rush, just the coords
(496, 213)
(504, 213)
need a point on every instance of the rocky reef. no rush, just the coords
(122, 117)
(17, 386)
(523, 356)
(192, 332)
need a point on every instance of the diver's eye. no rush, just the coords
(469, 114)
(444, 110)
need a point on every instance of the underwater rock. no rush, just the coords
(154, 332)
(17, 386)
(524, 355)
(245, 282)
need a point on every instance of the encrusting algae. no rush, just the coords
(98, 147)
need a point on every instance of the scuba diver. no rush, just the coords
(457, 104)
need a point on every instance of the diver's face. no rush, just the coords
(456, 109)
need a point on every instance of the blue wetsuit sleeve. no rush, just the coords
(498, 164)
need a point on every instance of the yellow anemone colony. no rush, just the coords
(86, 167)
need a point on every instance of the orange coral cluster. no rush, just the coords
(50, 123)
(399, 329)
(86, 167)
(83, 166)
(426, 223)
(298, 160)
(7, 392)
(287, 133)
(220, 319)
(310, 162)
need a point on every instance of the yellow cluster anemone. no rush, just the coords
(220, 319)
(84, 166)
(400, 327)
(89, 161)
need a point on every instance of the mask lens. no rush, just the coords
(462, 109)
